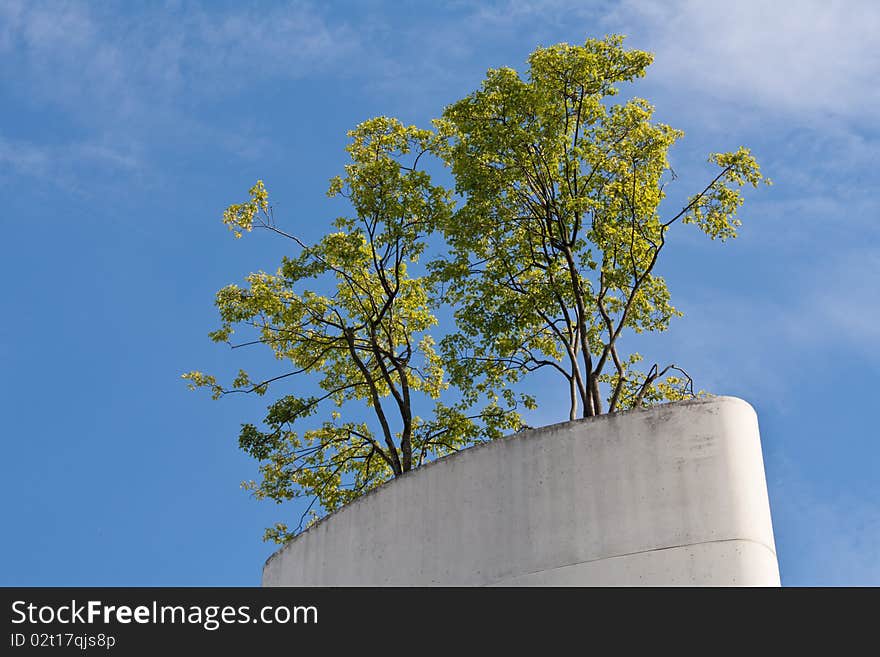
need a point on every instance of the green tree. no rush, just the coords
(365, 339)
(553, 253)
(550, 258)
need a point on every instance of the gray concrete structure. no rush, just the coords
(672, 495)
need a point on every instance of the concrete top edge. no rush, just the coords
(520, 435)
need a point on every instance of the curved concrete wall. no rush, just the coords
(670, 495)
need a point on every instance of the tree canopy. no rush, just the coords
(554, 249)
(366, 339)
(547, 259)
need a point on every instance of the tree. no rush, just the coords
(553, 251)
(366, 339)
(549, 260)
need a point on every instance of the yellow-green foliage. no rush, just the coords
(553, 251)
(551, 258)
(364, 340)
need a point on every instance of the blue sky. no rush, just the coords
(127, 128)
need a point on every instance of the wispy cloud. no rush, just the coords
(805, 60)
(65, 164)
(825, 538)
(74, 52)
(811, 57)
(122, 78)
(117, 80)
(750, 340)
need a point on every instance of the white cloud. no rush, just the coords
(798, 59)
(806, 57)
(126, 77)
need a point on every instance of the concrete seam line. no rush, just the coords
(631, 554)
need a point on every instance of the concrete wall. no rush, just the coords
(665, 496)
